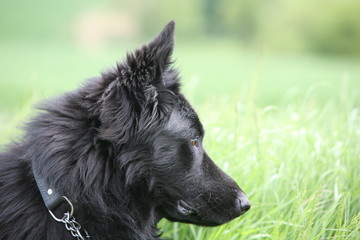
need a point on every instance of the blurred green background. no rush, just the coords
(282, 75)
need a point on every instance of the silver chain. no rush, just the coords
(70, 223)
(73, 227)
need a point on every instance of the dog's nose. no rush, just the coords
(243, 202)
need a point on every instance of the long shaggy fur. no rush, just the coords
(74, 143)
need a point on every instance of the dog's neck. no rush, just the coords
(85, 175)
(126, 222)
(123, 222)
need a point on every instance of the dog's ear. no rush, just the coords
(147, 65)
(140, 92)
(163, 45)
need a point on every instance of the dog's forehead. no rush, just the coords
(186, 124)
(183, 125)
(185, 121)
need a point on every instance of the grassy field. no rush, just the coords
(287, 128)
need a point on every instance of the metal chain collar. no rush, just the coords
(70, 223)
(74, 227)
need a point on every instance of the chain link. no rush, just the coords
(74, 227)
(70, 223)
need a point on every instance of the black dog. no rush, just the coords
(125, 149)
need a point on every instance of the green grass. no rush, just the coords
(297, 161)
(287, 128)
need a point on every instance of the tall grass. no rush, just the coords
(299, 163)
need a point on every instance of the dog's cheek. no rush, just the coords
(186, 156)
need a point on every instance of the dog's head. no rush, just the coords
(144, 112)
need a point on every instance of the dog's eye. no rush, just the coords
(194, 142)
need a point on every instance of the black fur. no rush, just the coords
(126, 149)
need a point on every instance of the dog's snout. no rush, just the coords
(242, 203)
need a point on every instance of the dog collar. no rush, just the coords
(50, 196)
(52, 199)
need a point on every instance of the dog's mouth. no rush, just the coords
(182, 211)
(185, 209)
(190, 215)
